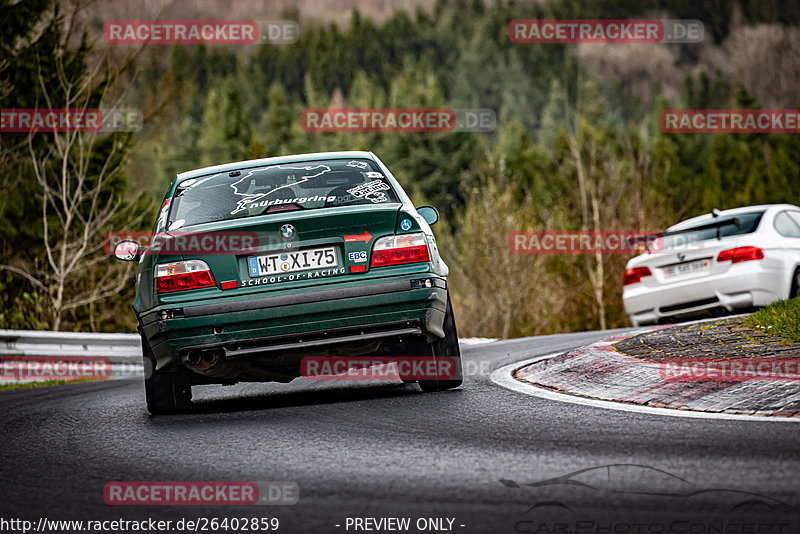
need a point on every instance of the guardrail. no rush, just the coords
(116, 348)
(122, 351)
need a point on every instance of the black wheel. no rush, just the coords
(795, 289)
(165, 392)
(446, 349)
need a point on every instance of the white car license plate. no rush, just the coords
(686, 268)
(289, 262)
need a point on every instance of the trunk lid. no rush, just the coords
(287, 249)
(693, 261)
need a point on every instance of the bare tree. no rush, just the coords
(606, 198)
(77, 173)
(496, 292)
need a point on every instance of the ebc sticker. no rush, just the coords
(357, 257)
(372, 191)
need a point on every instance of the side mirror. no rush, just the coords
(127, 250)
(428, 213)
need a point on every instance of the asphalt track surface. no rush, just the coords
(361, 450)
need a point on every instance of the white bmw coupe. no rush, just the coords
(721, 262)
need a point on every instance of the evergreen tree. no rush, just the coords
(226, 128)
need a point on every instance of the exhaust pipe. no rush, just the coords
(210, 362)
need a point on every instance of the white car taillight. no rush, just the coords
(181, 275)
(635, 275)
(740, 254)
(399, 249)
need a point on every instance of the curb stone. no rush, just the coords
(627, 369)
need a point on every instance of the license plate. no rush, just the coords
(289, 262)
(686, 268)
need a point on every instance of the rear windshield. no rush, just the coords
(748, 223)
(279, 188)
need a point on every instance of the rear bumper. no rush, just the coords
(751, 285)
(292, 319)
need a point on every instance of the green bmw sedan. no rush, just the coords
(256, 268)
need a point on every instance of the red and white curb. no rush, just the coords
(598, 376)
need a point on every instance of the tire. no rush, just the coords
(165, 393)
(795, 289)
(446, 348)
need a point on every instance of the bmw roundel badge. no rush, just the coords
(287, 231)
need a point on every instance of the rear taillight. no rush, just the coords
(635, 275)
(182, 275)
(740, 254)
(399, 249)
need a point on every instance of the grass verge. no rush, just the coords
(39, 383)
(781, 319)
